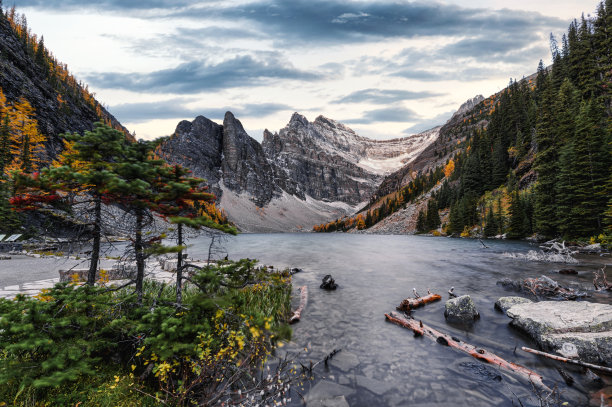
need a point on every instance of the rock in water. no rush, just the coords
(505, 303)
(328, 283)
(553, 324)
(461, 309)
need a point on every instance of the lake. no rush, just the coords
(381, 364)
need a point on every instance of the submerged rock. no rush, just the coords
(328, 283)
(505, 303)
(554, 325)
(481, 371)
(325, 392)
(461, 309)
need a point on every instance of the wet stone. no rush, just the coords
(339, 401)
(325, 390)
(480, 371)
(375, 386)
(505, 303)
(461, 309)
(344, 361)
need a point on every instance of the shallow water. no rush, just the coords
(382, 364)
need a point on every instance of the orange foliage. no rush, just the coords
(450, 167)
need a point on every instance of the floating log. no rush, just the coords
(478, 353)
(571, 361)
(303, 300)
(411, 303)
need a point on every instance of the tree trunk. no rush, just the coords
(138, 251)
(478, 353)
(303, 300)
(179, 269)
(411, 303)
(95, 251)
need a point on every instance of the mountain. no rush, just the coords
(307, 173)
(28, 70)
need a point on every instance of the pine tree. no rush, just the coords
(516, 227)
(432, 220)
(546, 164)
(421, 226)
(591, 170)
(491, 226)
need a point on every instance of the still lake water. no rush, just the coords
(382, 364)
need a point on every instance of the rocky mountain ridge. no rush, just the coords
(320, 168)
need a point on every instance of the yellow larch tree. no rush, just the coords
(27, 143)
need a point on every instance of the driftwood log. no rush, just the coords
(419, 329)
(303, 300)
(412, 303)
(605, 369)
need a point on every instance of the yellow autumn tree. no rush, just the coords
(450, 167)
(360, 222)
(27, 143)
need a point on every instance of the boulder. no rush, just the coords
(568, 271)
(328, 283)
(561, 326)
(461, 309)
(505, 303)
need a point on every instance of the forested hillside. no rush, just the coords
(39, 100)
(540, 160)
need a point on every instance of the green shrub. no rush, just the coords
(83, 343)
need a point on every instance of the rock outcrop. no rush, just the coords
(586, 325)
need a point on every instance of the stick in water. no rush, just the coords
(571, 361)
(303, 300)
(478, 353)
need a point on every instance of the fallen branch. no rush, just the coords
(303, 300)
(571, 361)
(478, 353)
(600, 282)
(411, 303)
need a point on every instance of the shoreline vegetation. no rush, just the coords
(75, 343)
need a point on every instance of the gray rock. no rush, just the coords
(375, 386)
(325, 390)
(338, 401)
(587, 326)
(344, 361)
(505, 303)
(461, 309)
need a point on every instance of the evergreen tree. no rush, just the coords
(421, 225)
(491, 226)
(432, 219)
(87, 168)
(546, 165)
(516, 226)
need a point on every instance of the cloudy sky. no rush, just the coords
(385, 68)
